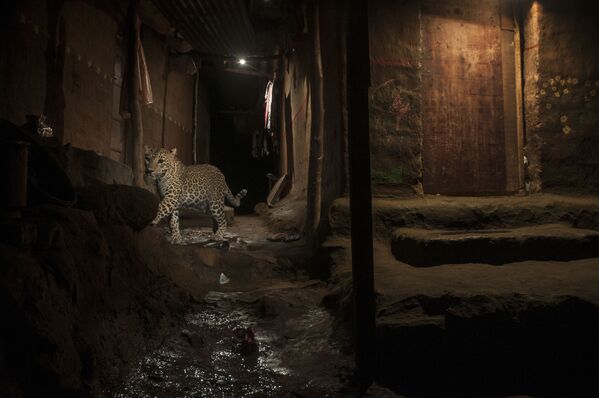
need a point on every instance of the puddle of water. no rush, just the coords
(207, 358)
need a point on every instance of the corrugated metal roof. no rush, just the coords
(219, 27)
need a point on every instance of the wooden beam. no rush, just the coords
(134, 105)
(358, 81)
(280, 90)
(317, 126)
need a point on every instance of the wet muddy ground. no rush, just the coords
(263, 334)
(240, 345)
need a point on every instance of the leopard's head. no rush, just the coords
(159, 161)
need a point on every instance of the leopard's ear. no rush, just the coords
(147, 149)
(174, 151)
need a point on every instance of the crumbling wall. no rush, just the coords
(561, 95)
(395, 95)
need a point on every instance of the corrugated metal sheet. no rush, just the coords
(220, 27)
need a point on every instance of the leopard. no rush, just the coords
(202, 187)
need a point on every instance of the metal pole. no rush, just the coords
(358, 81)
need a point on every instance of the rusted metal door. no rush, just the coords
(463, 125)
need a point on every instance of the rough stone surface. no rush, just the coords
(456, 213)
(479, 330)
(120, 204)
(426, 247)
(87, 168)
(79, 306)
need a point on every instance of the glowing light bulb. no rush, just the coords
(241, 61)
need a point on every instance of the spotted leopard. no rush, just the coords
(201, 186)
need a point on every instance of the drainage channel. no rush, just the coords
(233, 347)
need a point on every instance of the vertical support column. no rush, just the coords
(317, 127)
(134, 106)
(511, 122)
(194, 127)
(280, 89)
(358, 81)
(165, 96)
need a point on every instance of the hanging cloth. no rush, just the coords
(143, 77)
(268, 104)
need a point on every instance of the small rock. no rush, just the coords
(192, 338)
(261, 208)
(277, 237)
(248, 343)
(292, 237)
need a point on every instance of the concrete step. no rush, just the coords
(444, 212)
(428, 247)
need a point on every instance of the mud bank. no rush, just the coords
(79, 306)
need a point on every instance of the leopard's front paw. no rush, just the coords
(155, 221)
(218, 236)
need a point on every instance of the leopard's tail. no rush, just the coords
(235, 200)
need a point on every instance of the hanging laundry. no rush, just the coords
(268, 104)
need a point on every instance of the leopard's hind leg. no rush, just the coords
(217, 210)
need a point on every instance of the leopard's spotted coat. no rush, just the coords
(199, 186)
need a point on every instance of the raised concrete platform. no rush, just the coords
(422, 247)
(479, 330)
(476, 329)
(464, 213)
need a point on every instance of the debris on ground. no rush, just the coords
(223, 280)
(247, 344)
(284, 237)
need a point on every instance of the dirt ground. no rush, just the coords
(261, 318)
(264, 332)
(521, 328)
